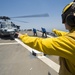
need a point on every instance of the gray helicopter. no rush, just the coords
(9, 28)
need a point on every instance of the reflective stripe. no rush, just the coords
(66, 7)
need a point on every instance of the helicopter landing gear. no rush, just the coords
(16, 35)
(12, 37)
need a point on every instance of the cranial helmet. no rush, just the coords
(68, 14)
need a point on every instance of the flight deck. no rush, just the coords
(17, 59)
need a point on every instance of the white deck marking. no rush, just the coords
(46, 60)
(27, 47)
(8, 43)
(50, 63)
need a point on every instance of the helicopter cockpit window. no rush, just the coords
(8, 24)
(3, 25)
(12, 24)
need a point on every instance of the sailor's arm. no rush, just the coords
(59, 33)
(52, 46)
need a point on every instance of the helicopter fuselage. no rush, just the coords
(7, 28)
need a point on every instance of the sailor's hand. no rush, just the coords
(54, 30)
(18, 34)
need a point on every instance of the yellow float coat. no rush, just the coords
(63, 46)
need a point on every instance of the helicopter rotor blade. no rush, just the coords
(30, 16)
(20, 21)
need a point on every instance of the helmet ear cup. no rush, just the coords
(70, 20)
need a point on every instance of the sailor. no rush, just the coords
(62, 46)
(34, 32)
(44, 34)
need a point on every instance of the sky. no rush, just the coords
(13, 8)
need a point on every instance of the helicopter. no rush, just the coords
(9, 28)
